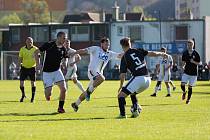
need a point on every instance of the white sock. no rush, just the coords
(156, 89)
(78, 102)
(168, 90)
(79, 85)
(90, 88)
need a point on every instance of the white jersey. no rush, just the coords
(164, 64)
(99, 58)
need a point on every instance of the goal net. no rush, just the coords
(9, 61)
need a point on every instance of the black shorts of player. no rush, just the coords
(27, 72)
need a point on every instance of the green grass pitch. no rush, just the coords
(162, 118)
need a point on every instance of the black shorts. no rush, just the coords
(27, 72)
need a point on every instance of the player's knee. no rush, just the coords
(74, 80)
(158, 83)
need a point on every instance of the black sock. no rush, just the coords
(88, 92)
(61, 103)
(134, 101)
(122, 104)
(33, 89)
(23, 91)
(183, 88)
(189, 93)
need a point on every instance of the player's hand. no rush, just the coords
(72, 64)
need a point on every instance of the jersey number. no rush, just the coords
(137, 61)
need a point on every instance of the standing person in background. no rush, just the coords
(134, 61)
(72, 67)
(54, 52)
(28, 63)
(99, 57)
(165, 65)
(191, 60)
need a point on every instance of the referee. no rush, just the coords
(27, 65)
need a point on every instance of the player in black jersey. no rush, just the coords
(54, 52)
(191, 60)
(134, 61)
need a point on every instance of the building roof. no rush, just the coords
(83, 17)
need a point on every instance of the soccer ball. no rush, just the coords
(135, 113)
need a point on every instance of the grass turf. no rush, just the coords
(163, 118)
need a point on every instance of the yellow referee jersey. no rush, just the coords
(28, 57)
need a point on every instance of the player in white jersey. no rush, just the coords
(165, 64)
(72, 67)
(99, 57)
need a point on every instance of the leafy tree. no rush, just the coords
(35, 11)
(137, 9)
(12, 18)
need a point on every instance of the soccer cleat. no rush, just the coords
(48, 98)
(32, 100)
(153, 95)
(61, 110)
(174, 88)
(135, 114)
(183, 96)
(75, 107)
(22, 98)
(168, 95)
(122, 117)
(87, 97)
(188, 102)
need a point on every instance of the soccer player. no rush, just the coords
(134, 61)
(99, 57)
(191, 60)
(165, 65)
(54, 52)
(72, 67)
(27, 63)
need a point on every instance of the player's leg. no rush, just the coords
(156, 89)
(122, 103)
(32, 77)
(172, 84)
(48, 84)
(78, 83)
(167, 80)
(168, 89)
(62, 87)
(184, 81)
(60, 82)
(192, 82)
(23, 75)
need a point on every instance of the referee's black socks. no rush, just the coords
(189, 93)
(183, 88)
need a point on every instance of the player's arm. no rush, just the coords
(196, 60)
(80, 52)
(37, 59)
(123, 70)
(156, 54)
(77, 59)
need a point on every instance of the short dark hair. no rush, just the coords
(104, 39)
(125, 41)
(163, 48)
(59, 34)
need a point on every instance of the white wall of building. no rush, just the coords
(151, 34)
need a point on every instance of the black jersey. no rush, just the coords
(190, 68)
(134, 61)
(53, 56)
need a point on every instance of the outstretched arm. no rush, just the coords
(156, 54)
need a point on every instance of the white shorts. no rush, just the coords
(165, 78)
(92, 74)
(51, 78)
(137, 84)
(71, 73)
(188, 78)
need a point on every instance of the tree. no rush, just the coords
(35, 11)
(137, 9)
(12, 18)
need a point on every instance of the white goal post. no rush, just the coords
(9, 61)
